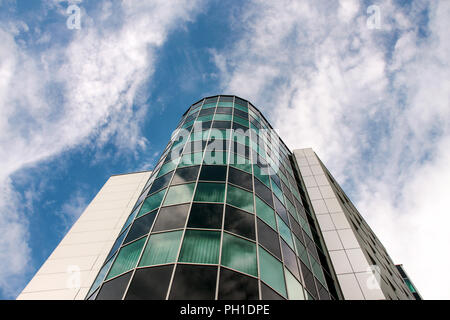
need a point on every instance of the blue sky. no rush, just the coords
(77, 106)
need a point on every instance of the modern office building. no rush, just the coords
(227, 213)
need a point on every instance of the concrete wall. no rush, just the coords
(72, 267)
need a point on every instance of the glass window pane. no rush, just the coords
(114, 289)
(101, 275)
(220, 134)
(191, 159)
(152, 202)
(218, 145)
(223, 117)
(239, 222)
(271, 271)
(141, 227)
(261, 175)
(210, 192)
(265, 212)
(317, 270)
(184, 175)
(240, 198)
(179, 194)
(263, 192)
(309, 280)
(213, 173)
(240, 162)
(240, 179)
(281, 210)
(169, 166)
(239, 254)
(215, 157)
(240, 121)
(268, 294)
(194, 283)
(150, 283)
(129, 219)
(236, 286)
(301, 252)
(127, 258)
(161, 248)
(277, 191)
(173, 217)
(285, 232)
(294, 288)
(200, 247)
(290, 259)
(224, 110)
(206, 215)
(160, 183)
(116, 245)
(269, 239)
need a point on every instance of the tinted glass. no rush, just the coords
(239, 254)
(239, 222)
(285, 232)
(160, 183)
(184, 175)
(268, 294)
(240, 178)
(281, 210)
(114, 289)
(263, 192)
(221, 125)
(294, 288)
(161, 248)
(213, 173)
(219, 145)
(179, 194)
(235, 286)
(116, 245)
(172, 217)
(206, 215)
(152, 202)
(240, 198)
(269, 239)
(140, 227)
(200, 247)
(271, 271)
(290, 259)
(224, 110)
(150, 283)
(210, 192)
(127, 258)
(194, 283)
(265, 212)
(215, 157)
(309, 280)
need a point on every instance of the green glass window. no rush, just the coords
(210, 192)
(215, 157)
(127, 258)
(265, 212)
(242, 108)
(239, 254)
(240, 198)
(271, 271)
(208, 117)
(264, 178)
(152, 202)
(179, 194)
(100, 276)
(240, 162)
(209, 105)
(225, 104)
(294, 288)
(301, 252)
(285, 232)
(129, 220)
(317, 271)
(161, 248)
(241, 121)
(200, 247)
(191, 159)
(305, 226)
(277, 191)
(169, 166)
(223, 117)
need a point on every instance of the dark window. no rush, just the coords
(141, 226)
(240, 178)
(235, 286)
(184, 175)
(213, 173)
(281, 210)
(205, 112)
(323, 292)
(150, 283)
(114, 289)
(240, 102)
(223, 110)
(309, 280)
(239, 222)
(206, 215)
(263, 192)
(297, 230)
(116, 245)
(201, 126)
(161, 182)
(290, 259)
(221, 125)
(173, 217)
(211, 100)
(194, 283)
(237, 126)
(269, 239)
(269, 294)
(240, 113)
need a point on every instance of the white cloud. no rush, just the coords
(84, 91)
(374, 107)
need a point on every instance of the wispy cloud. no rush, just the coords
(85, 88)
(373, 103)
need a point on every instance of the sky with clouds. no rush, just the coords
(366, 84)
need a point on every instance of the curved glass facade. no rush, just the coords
(223, 216)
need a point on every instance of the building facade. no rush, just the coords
(230, 213)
